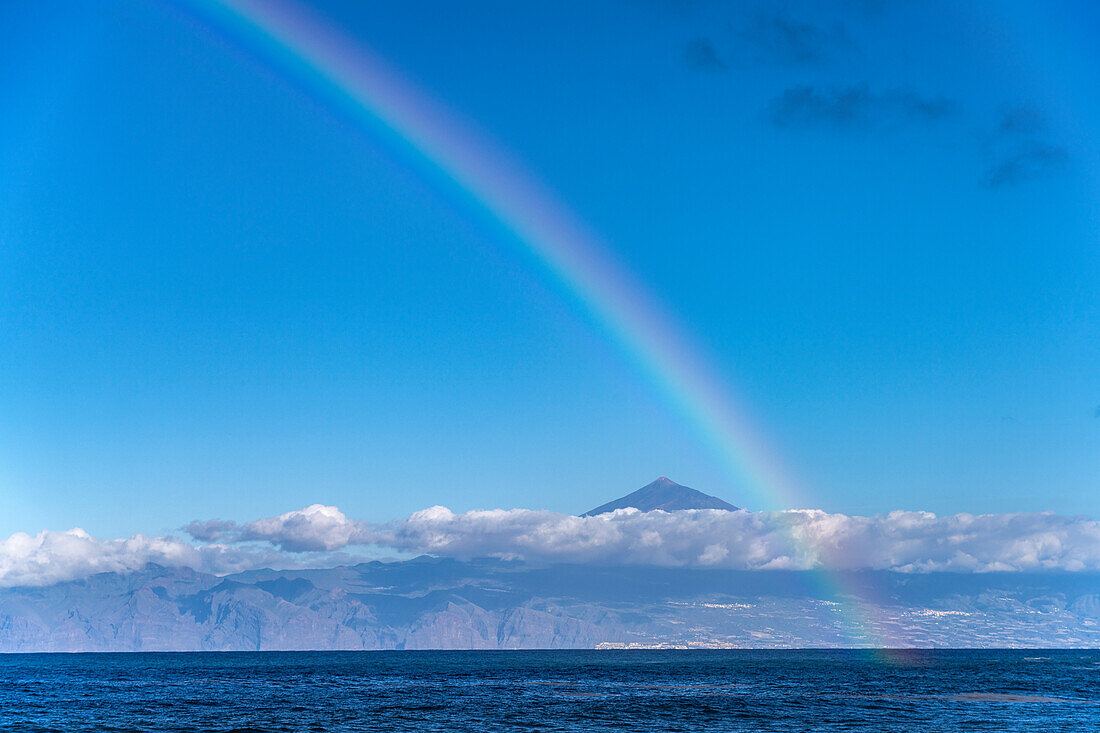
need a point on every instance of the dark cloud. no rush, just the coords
(1020, 148)
(211, 530)
(779, 38)
(853, 106)
(700, 53)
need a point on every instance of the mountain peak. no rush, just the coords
(665, 494)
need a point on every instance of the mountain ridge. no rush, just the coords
(497, 604)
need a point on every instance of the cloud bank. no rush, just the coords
(311, 537)
(798, 540)
(803, 539)
(320, 536)
(52, 557)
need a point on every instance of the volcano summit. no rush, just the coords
(664, 494)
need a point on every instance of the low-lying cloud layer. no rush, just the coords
(904, 541)
(52, 557)
(309, 537)
(321, 535)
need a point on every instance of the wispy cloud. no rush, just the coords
(700, 53)
(1021, 121)
(854, 106)
(1027, 161)
(1020, 148)
(777, 37)
(769, 37)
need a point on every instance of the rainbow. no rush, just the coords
(361, 85)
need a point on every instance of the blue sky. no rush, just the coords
(219, 296)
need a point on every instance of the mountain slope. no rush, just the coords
(666, 495)
(431, 603)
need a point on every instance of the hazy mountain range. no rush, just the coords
(488, 604)
(431, 602)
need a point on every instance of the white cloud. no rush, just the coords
(52, 557)
(901, 540)
(317, 535)
(315, 528)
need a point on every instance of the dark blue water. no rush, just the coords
(552, 691)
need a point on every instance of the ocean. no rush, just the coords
(644, 690)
